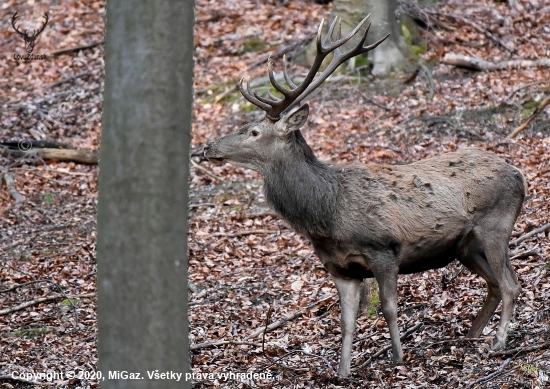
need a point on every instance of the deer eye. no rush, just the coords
(254, 133)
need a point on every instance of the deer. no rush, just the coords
(372, 220)
(29, 39)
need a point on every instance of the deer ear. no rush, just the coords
(295, 120)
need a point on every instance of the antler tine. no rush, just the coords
(37, 32)
(248, 94)
(14, 21)
(339, 58)
(274, 106)
(328, 38)
(274, 82)
(288, 80)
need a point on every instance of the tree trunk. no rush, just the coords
(389, 55)
(142, 211)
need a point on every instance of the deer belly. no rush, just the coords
(344, 264)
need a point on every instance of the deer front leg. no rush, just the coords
(349, 291)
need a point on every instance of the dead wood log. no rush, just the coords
(12, 190)
(474, 63)
(69, 155)
(41, 300)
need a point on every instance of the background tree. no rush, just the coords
(390, 55)
(142, 217)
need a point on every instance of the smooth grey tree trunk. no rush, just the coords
(389, 55)
(142, 211)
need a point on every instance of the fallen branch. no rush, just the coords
(40, 300)
(520, 350)
(221, 343)
(525, 254)
(260, 214)
(286, 318)
(537, 112)
(388, 347)
(12, 190)
(73, 155)
(205, 171)
(493, 374)
(67, 79)
(480, 64)
(73, 49)
(242, 233)
(530, 234)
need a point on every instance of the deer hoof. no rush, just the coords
(497, 344)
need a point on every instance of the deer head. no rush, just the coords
(29, 39)
(258, 143)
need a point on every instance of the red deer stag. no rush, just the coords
(378, 220)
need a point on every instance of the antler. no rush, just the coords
(24, 34)
(37, 32)
(274, 106)
(13, 20)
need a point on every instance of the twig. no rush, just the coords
(429, 79)
(241, 233)
(221, 343)
(67, 79)
(260, 214)
(384, 107)
(493, 374)
(388, 347)
(525, 254)
(537, 112)
(73, 49)
(299, 352)
(521, 350)
(485, 32)
(446, 282)
(12, 190)
(411, 77)
(530, 234)
(41, 300)
(286, 318)
(204, 170)
(523, 87)
(267, 320)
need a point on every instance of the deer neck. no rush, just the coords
(302, 189)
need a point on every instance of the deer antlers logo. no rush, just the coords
(29, 39)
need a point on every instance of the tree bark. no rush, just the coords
(389, 55)
(142, 211)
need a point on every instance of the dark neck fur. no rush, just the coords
(302, 189)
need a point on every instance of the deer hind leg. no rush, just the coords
(477, 263)
(349, 291)
(497, 255)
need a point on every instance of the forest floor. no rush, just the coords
(247, 268)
